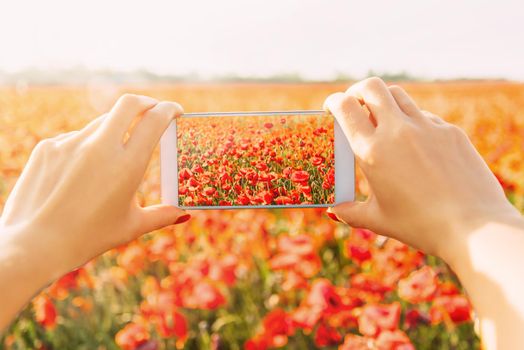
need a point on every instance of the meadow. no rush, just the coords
(255, 279)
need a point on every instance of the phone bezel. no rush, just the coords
(344, 169)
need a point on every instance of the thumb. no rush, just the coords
(355, 214)
(158, 216)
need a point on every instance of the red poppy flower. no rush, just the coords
(225, 177)
(419, 286)
(300, 176)
(376, 318)
(277, 327)
(257, 343)
(238, 189)
(192, 182)
(316, 161)
(266, 197)
(132, 336)
(261, 166)
(319, 131)
(185, 174)
(204, 295)
(454, 308)
(182, 190)
(45, 311)
(415, 317)
(209, 191)
(61, 288)
(281, 200)
(306, 317)
(173, 324)
(327, 336)
(357, 252)
(306, 190)
(242, 200)
(323, 295)
(197, 168)
(370, 283)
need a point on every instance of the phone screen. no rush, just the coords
(255, 160)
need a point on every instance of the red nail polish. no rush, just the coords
(182, 219)
(332, 216)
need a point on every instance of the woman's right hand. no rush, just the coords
(428, 184)
(76, 198)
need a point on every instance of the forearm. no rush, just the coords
(490, 264)
(26, 266)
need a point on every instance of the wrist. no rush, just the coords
(33, 253)
(455, 247)
(26, 266)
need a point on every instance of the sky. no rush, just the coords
(316, 39)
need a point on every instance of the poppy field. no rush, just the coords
(256, 160)
(255, 279)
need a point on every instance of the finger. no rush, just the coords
(352, 118)
(377, 98)
(126, 109)
(158, 216)
(405, 102)
(433, 118)
(149, 129)
(92, 126)
(65, 136)
(355, 214)
(349, 113)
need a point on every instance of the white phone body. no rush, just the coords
(344, 163)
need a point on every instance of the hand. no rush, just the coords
(427, 181)
(76, 197)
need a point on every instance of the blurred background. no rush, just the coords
(292, 40)
(256, 279)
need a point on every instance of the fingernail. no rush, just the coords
(182, 219)
(332, 216)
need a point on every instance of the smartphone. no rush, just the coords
(275, 159)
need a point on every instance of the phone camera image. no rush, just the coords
(261, 160)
